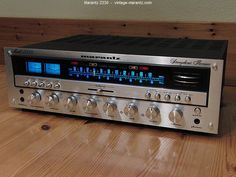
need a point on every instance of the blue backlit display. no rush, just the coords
(116, 75)
(34, 67)
(52, 69)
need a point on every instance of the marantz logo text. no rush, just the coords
(99, 57)
(186, 62)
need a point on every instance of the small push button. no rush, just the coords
(34, 83)
(188, 99)
(167, 97)
(148, 95)
(57, 86)
(177, 98)
(197, 110)
(49, 85)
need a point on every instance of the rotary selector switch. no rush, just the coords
(176, 116)
(91, 105)
(53, 100)
(34, 98)
(110, 108)
(153, 113)
(131, 110)
(71, 103)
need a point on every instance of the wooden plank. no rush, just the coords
(22, 31)
(76, 147)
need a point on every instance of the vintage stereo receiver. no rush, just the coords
(162, 82)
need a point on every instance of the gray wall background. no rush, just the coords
(160, 10)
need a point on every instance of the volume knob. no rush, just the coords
(52, 100)
(131, 110)
(34, 98)
(71, 103)
(109, 108)
(176, 116)
(153, 113)
(91, 105)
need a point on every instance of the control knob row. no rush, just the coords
(131, 109)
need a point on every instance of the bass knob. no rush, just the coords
(176, 116)
(153, 113)
(131, 110)
(91, 105)
(53, 100)
(34, 98)
(71, 103)
(110, 108)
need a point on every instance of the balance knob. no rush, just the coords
(176, 116)
(153, 113)
(53, 100)
(109, 108)
(131, 110)
(91, 105)
(34, 98)
(71, 103)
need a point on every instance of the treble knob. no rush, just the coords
(53, 100)
(176, 116)
(71, 103)
(91, 105)
(131, 110)
(34, 98)
(109, 108)
(153, 113)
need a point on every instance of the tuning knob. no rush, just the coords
(176, 116)
(91, 105)
(71, 103)
(109, 108)
(153, 113)
(131, 110)
(52, 100)
(34, 98)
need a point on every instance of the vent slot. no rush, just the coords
(191, 79)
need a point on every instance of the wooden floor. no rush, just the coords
(68, 147)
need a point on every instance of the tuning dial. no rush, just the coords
(52, 100)
(176, 116)
(91, 105)
(131, 110)
(71, 103)
(153, 113)
(34, 98)
(109, 108)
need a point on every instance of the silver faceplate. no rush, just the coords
(122, 94)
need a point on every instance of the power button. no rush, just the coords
(197, 110)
